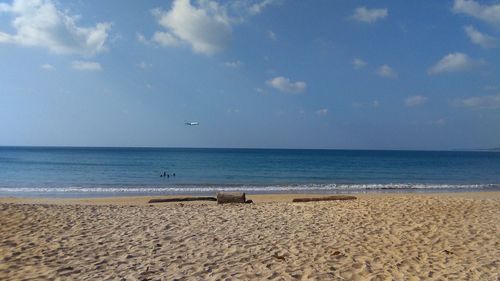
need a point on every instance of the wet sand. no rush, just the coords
(451, 236)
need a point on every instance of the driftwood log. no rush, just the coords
(181, 199)
(327, 198)
(230, 197)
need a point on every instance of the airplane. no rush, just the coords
(192, 123)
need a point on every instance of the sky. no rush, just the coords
(337, 74)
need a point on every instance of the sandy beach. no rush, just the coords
(451, 236)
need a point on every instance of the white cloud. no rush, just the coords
(144, 65)
(487, 13)
(386, 72)
(454, 62)
(479, 102)
(257, 8)
(141, 38)
(322, 112)
(373, 104)
(439, 122)
(363, 14)
(233, 111)
(415, 100)
(205, 27)
(47, 67)
(479, 38)
(358, 63)
(233, 64)
(86, 65)
(284, 84)
(260, 90)
(39, 23)
(165, 39)
(271, 35)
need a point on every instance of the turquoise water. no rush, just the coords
(57, 171)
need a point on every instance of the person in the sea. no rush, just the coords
(173, 174)
(164, 173)
(168, 175)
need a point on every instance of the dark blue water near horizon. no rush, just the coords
(80, 171)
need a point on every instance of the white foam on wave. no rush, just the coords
(248, 188)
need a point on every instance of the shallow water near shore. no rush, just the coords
(90, 172)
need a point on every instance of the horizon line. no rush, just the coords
(247, 148)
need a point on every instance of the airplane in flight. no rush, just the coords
(192, 123)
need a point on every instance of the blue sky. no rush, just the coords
(262, 73)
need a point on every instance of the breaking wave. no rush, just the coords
(198, 189)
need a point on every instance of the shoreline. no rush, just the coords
(257, 197)
(210, 190)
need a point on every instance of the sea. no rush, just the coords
(99, 172)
